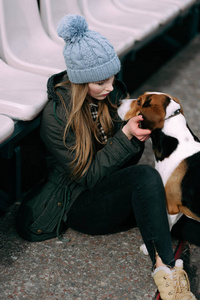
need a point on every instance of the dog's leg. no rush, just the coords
(173, 219)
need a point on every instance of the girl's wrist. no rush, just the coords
(125, 131)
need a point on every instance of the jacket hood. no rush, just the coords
(52, 81)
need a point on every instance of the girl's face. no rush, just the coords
(100, 90)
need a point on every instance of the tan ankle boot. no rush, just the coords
(173, 284)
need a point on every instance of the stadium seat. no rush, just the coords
(22, 94)
(6, 128)
(51, 13)
(139, 24)
(163, 12)
(182, 4)
(24, 43)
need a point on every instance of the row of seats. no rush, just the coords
(22, 97)
(123, 22)
(28, 58)
(29, 41)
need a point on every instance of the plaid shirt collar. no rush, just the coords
(94, 114)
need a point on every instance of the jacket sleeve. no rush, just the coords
(114, 155)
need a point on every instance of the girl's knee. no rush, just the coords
(148, 174)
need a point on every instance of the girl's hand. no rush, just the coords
(132, 129)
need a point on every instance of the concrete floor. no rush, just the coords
(101, 267)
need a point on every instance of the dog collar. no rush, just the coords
(177, 112)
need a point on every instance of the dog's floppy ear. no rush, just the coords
(152, 121)
(147, 103)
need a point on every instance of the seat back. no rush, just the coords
(163, 11)
(105, 12)
(182, 4)
(20, 21)
(23, 94)
(24, 42)
(53, 11)
(7, 127)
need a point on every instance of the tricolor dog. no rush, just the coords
(176, 150)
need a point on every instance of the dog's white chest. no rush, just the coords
(187, 146)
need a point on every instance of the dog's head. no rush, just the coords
(153, 106)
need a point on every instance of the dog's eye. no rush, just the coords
(147, 103)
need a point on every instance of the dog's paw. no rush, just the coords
(143, 249)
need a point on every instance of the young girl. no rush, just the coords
(94, 178)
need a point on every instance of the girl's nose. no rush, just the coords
(109, 87)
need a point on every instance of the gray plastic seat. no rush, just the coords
(22, 94)
(24, 43)
(6, 128)
(122, 38)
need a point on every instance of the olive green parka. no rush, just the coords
(44, 215)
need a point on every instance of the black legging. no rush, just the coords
(129, 196)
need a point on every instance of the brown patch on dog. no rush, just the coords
(153, 109)
(174, 194)
(134, 110)
(173, 189)
(188, 213)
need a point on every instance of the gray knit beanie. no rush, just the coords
(89, 56)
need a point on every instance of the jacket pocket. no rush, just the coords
(48, 217)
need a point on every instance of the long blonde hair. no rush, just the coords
(79, 119)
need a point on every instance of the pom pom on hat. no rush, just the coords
(88, 55)
(72, 28)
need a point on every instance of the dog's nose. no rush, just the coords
(120, 102)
